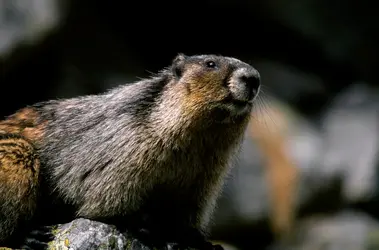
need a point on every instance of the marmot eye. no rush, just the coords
(210, 64)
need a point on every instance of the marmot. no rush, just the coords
(149, 157)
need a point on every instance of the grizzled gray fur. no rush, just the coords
(155, 151)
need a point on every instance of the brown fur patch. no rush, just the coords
(205, 86)
(18, 163)
(19, 172)
(202, 89)
(26, 123)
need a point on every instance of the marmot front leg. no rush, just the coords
(174, 231)
(19, 173)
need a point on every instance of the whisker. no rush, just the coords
(151, 73)
(264, 109)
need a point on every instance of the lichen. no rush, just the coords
(128, 244)
(67, 242)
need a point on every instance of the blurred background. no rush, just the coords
(307, 176)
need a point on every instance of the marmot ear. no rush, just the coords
(180, 57)
(178, 65)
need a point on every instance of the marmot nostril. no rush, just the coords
(252, 82)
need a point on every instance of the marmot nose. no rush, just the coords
(245, 84)
(251, 81)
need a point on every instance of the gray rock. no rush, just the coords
(343, 231)
(26, 21)
(84, 234)
(351, 141)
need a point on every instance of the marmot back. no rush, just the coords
(149, 156)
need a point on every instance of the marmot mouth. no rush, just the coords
(240, 103)
(236, 107)
(236, 102)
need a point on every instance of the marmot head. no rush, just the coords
(217, 86)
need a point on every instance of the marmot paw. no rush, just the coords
(38, 239)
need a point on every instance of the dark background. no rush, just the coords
(90, 46)
(337, 41)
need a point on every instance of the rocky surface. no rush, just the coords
(347, 230)
(351, 141)
(86, 234)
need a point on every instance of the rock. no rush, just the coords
(26, 22)
(84, 234)
(347, 230)
(351, 145)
